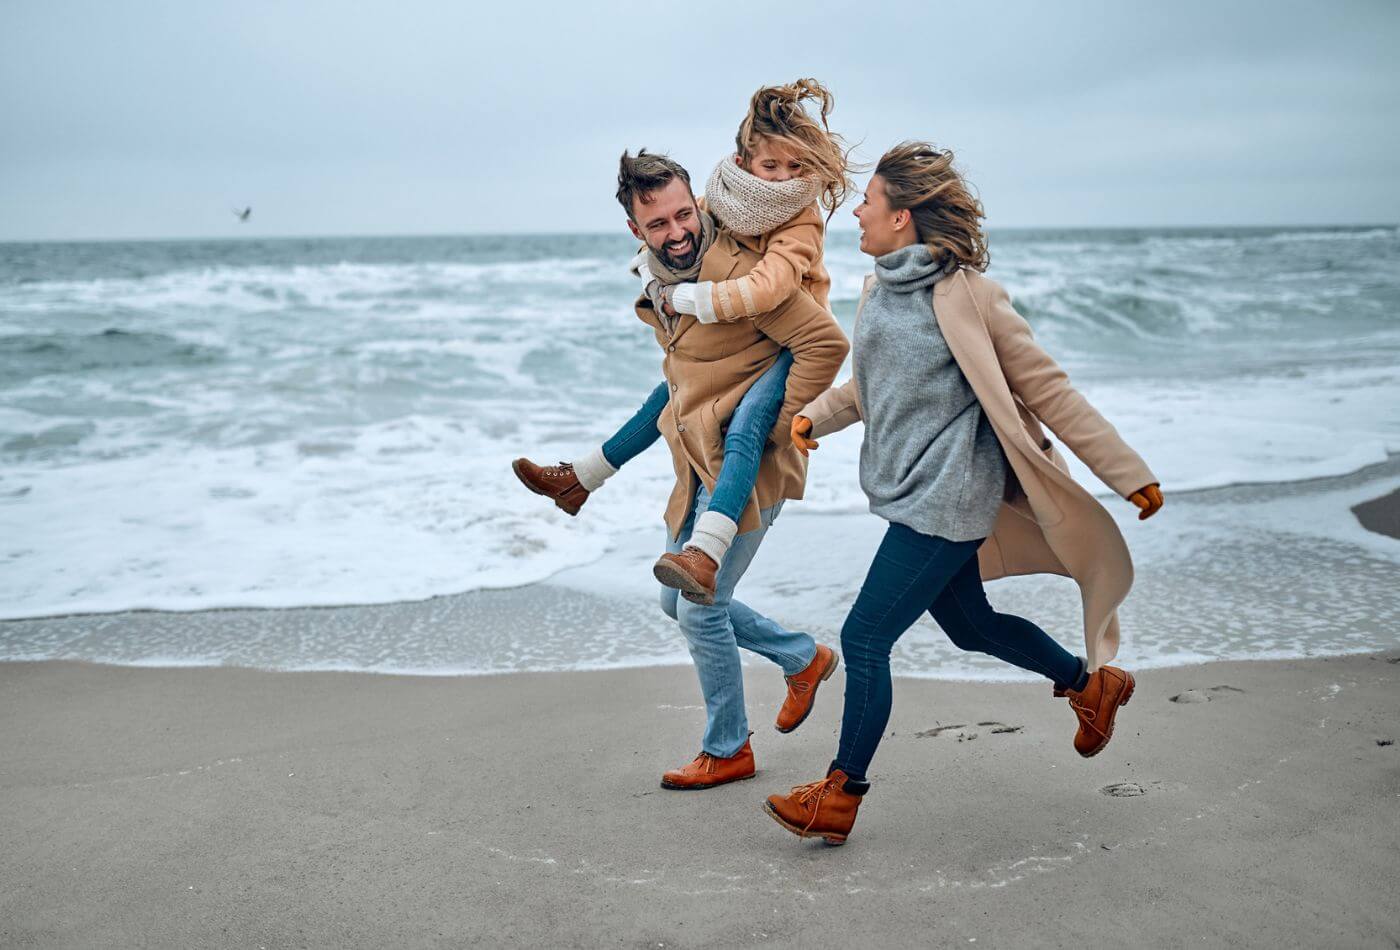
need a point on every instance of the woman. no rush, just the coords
(953, 389)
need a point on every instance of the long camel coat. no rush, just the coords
(710, 366)
(1048, 523)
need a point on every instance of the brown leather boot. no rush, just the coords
(1096, 705)
(555, 481)
(707, 771)
(802, 689)
(824, 809)
(692, 572)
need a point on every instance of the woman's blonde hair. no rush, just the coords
(947, 215)
(777, 112)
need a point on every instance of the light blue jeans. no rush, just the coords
(715, 632)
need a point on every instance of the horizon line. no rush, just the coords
(611, 233)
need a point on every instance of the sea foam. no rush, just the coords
(275, 424)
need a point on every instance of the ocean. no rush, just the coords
(298, 423)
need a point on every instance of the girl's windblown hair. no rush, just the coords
(947, 216)
(779, 113)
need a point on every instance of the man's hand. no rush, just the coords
(1148, 498)
(801, 425)
(668, 295)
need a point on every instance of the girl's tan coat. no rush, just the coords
(790, 259)
(1049, 524)
(709, 368)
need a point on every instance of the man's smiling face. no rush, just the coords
(668, 220)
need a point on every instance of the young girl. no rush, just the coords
(787, 162)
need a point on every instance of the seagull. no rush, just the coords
(243, 215)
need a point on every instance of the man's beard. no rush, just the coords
(685, 261)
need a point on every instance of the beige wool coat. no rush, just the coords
(710, 366)
(1048, 523)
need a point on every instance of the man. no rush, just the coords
(708, 368)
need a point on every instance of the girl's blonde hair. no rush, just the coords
(777, 112)
(947, 216)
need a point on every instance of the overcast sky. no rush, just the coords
(144, 119)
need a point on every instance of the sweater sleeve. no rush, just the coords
(788, 256)
(1046, 390)
(833, 410)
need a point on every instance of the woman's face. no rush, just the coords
(772, 161)
(882, 229)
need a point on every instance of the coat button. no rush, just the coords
(680, 428)
(674, 387)
(671, 348)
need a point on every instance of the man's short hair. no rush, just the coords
(641, 174)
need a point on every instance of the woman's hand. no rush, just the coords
(801, 425)
(1148, 498)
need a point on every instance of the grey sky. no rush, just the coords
(145, 119)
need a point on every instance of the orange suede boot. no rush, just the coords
(825, 809)
(1096, 706)
(692, 572)
(707, 771)
(802, 689)
(555, 481)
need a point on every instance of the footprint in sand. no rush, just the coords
(997, 728)
(1136, 789)
(939, 730)
(1205, 695)
(1123, 790)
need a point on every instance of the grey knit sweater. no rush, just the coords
(930, 460)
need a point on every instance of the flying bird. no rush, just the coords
(243, 215)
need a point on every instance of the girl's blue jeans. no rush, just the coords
(749, 427)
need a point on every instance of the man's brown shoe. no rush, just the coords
(707, 771)
(802, 689)
(554, 481)
(692, 572)
(1096, 705)
(822, 809)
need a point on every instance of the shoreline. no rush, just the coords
(1382, 517)
(1229, 574)
(1014, 679)
(197, 807)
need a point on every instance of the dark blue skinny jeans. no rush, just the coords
(911, 573)
(749, 428)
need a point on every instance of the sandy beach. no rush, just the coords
(1247, 803)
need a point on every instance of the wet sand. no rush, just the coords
(1239, 803)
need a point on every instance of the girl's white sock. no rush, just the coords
(713, 534)
(593, 469)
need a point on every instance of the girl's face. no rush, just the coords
(772, 160)
(882, 228)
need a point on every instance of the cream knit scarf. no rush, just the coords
(750, 206)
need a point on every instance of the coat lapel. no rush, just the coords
(721, 259)
(971, 345)
(720, 262)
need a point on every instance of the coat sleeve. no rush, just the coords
(788, 257)
(818, 348)
(833, 410)
(1046, 390)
